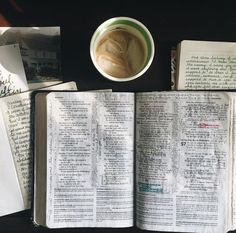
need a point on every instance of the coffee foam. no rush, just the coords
(120, 53)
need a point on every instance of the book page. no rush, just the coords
(182, 153)
(40, 155)
(90, 159)
(233, 194)
(206, 65)
(16, 110)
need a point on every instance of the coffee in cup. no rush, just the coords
(122, 49)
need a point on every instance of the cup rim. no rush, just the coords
(147, 65)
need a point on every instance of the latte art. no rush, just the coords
(120, 54)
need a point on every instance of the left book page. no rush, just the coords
(15, 119)
(88, 160)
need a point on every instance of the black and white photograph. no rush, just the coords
(40, 51)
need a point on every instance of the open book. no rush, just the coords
(171, 153)
(16, 151)
(206, 65)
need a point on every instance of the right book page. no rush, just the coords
(183, 161)
(206, 65)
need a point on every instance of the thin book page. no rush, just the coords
(233, 191)
(183, 153)
(206, 65)
(90, 159)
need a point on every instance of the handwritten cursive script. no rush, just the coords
(7, 86)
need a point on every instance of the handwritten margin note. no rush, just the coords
(12, 73)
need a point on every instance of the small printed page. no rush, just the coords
(12, 73)
(16, 110)
(182, 161)
(90, 159)
(206, 65)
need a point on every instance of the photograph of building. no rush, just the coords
(40, 51)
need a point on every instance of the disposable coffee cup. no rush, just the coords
(122, 49)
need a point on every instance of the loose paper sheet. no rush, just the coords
(10, 193)
(206, 65)
(16, 114)
(12, 74)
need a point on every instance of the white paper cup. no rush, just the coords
(122, 49)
